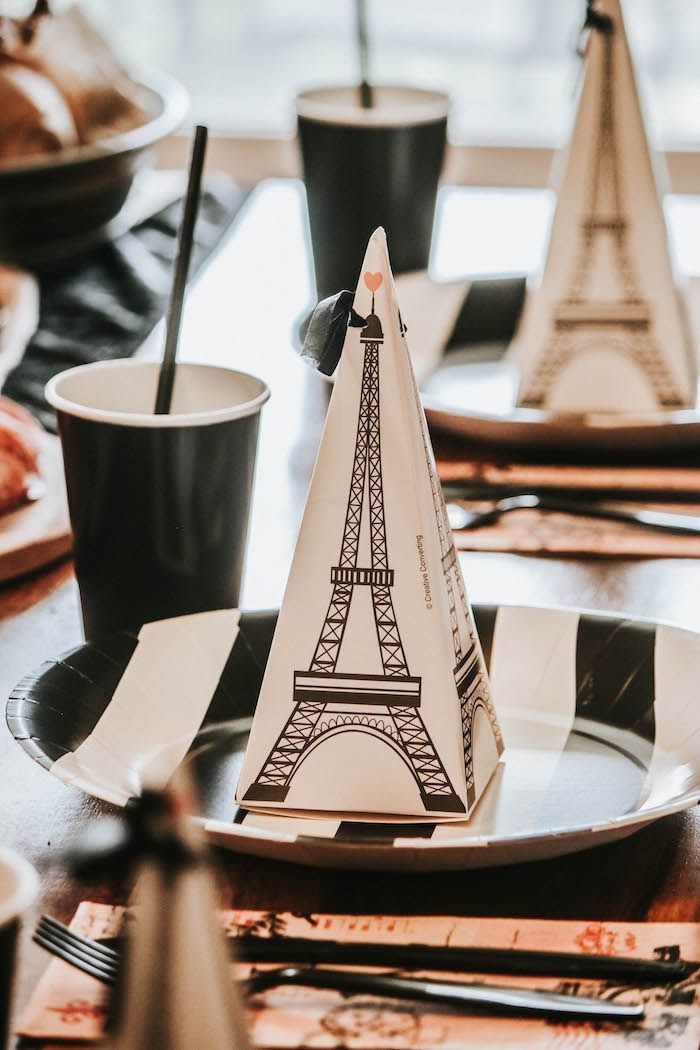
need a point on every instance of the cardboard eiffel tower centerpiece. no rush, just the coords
(606, 329)
(375, 699)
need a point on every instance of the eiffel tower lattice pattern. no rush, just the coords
(385, 705)
(472, 688)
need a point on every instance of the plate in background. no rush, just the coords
(476, 399)
(458, 333)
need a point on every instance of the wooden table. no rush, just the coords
(241, 312)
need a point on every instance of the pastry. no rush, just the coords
(60, 85)
(19, 453)
(34, 116)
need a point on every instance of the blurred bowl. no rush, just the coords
(56, 205)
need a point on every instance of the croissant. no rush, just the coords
(34, 116)
(19, 453)
(60, 85)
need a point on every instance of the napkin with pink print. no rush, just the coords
(69, 1006)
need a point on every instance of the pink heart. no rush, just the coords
(373, 280)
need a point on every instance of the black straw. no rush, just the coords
(166, 378)
(366, 96)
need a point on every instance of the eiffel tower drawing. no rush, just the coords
(327, 702)
(472, 687)
(582, 320)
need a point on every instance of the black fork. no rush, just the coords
(102, 962)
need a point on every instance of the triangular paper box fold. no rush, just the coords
(606, 329)
(376, 697)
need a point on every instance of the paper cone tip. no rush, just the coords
(377, 253)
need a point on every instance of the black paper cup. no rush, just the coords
(19, 886)
(159, 504)
(365, 168)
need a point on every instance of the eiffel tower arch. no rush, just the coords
(583, 320)
(571, 340)
(328, 702)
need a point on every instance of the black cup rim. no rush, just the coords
(26, 888)
(70, 407)
(421, 106)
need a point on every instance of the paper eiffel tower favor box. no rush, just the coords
(606, 329)
(375, 699)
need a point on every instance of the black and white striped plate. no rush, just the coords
(600, 716)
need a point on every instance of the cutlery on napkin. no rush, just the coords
(574, 509)
(69, 1005)
(93, 959)
(461, 517)
(104, 955)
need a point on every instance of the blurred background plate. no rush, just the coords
(476, 399)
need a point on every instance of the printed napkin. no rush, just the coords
(551, 532)
(477, 480)
(70, 1006)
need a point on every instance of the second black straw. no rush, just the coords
(166, 378)
(366, 94)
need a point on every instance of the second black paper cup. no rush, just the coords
(365, 168)
(159, 504)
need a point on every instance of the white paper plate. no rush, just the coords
(600, 716)
(476, 399)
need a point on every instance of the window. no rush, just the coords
(509, 64)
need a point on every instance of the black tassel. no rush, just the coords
(323, 343)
